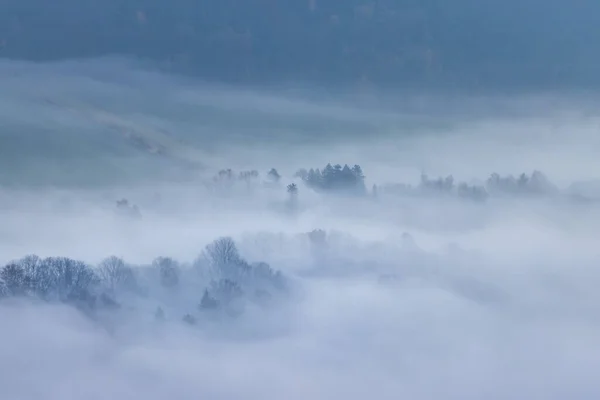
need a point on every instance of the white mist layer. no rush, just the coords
(494, 299)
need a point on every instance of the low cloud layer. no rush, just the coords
(380, 281)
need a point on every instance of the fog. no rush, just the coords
(374, 280)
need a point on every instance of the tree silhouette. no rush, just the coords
(292, 189)
(168, 270)
(273, 175)
(224, 260)
(115, 274)
(14, 279)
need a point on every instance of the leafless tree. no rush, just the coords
(68, 279)
(115, 274)
(14, 279)
(224, 260)
(222, 251)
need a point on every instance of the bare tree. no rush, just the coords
(69, 279)
(115, 274)
(224, 260)
(14, 279)
(39, 277)
(222, 251)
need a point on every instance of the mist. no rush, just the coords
(455, 257)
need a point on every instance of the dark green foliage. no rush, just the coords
(335, 179)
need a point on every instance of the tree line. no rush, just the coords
(226, 282)
(343, 179)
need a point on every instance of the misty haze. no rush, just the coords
(312, 199)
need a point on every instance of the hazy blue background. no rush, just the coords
(421, 292)
(476, 44)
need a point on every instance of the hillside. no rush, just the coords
(428, 43)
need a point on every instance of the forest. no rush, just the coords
(222, 281)
(225, 281)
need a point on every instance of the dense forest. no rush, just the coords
(436, 43)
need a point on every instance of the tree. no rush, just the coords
(358, 172)
(189, 319)
(301, 173)
(224, 175)
(14, 279)
(226, 292)
(336, 178)
(292, 189)
(439, 185)
(477, 193)
(208, 302)
(168, 271)
(39, 276)
(70, 280)
(328, 176)
(224, 260)
(222, 251)
(273, 175)
(264, 275)
(115, 274)
(248, 175)
(540, 184)
(314, 178)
